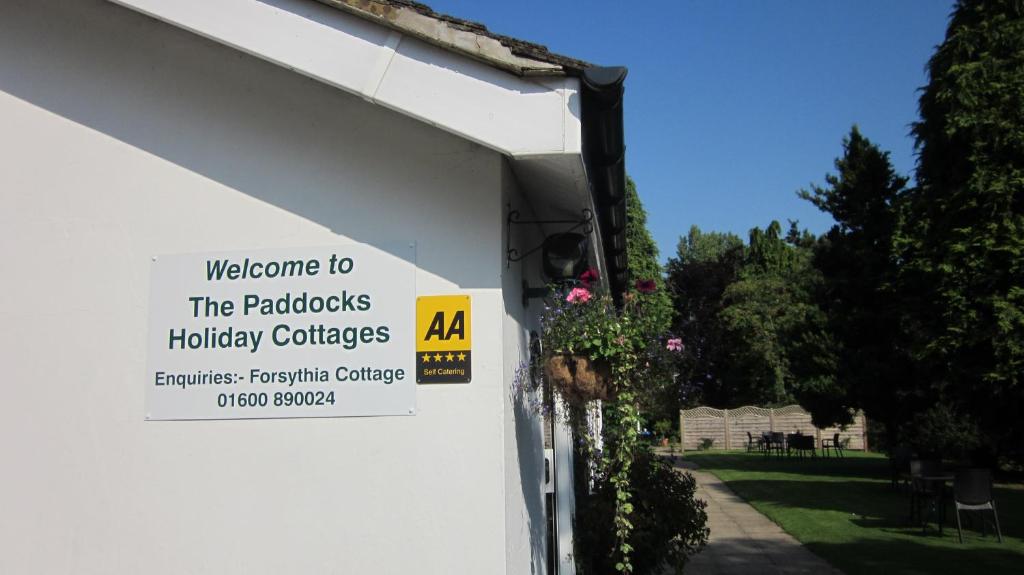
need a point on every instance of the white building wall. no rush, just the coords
(525, 521)
(121, 137)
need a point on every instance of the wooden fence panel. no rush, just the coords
(702, 428)
(728, 428)
(855, 433)
(753, 420)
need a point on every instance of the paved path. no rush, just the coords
(744, 542)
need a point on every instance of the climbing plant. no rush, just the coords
(599, 351)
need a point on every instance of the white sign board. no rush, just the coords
(310, 332)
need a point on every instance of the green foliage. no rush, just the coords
(668, 522)
(663, 428)
(582, 320)
(642, 260)
(915, 298)
(655, 383)
(632, 340)
(861, 361)
(706, 263)
(963, 238)
(766, 313)
(941, 433)
(747, 315)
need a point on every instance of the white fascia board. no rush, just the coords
(512, 115)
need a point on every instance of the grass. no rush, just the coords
(847, 513)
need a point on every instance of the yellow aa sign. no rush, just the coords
(443, 339)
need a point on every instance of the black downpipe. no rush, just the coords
(604, 153)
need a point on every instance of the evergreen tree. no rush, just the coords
(642, 259)
(861, 360)
(656, 391)
(963, 238)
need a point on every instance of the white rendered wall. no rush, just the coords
(121, 137)
(525, 521)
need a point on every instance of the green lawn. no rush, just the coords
(846, 512)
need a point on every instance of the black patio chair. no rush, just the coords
(753, 444)
(972, 491)
(777, 443)
(925, 495)
(802, 445)
(899, 465)
(835, 443)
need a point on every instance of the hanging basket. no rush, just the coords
(580, 379)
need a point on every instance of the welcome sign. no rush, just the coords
(311, 332)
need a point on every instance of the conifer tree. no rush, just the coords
(962, 241)
(867, 365)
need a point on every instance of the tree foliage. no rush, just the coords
(912, 305)
(963, 238)
(642, 259)
(657, 394)
(743, 312)
(706, 263)
(858, 266)
(765, 314)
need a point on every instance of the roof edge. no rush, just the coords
(465, 37)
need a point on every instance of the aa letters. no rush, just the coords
(438, 328)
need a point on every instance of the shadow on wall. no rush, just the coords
(529, 433)
(251, 126)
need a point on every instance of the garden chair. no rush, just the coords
(835, 443)
(803, 444)
(972, 491)
(899, 465)
(754, 444)
(925, 495)
(777, 443)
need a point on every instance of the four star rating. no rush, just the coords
(440, 366)
(439, 357)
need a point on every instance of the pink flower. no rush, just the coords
(674, 344)
(621, 340)
(645, 286)
(589, 276)
(578, 295)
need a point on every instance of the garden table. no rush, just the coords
(938, 481)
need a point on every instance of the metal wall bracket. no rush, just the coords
(532, 292)
(513, 255)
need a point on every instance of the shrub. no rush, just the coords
(940, 432)
(663, 428)
(669, 523)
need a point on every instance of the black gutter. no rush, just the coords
(604, 154)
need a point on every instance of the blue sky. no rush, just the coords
(733, 106)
